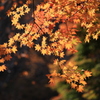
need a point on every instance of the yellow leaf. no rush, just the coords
(43, 51)
(16, 36)
(68, 46)
(75, 67)
(61, 42)
(37, 47)
(11, 42)
(91, 12)
(62, 54)
(44, 42)
(14, 49)
(96, 36)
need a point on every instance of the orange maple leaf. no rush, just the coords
(80, 88)
(2, 60)
(87, 73)
(62, 54)
(2, 68)
(83, 82)
(68, 45)
(73, 85)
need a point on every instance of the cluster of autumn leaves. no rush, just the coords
(69, 73)
(53, 40)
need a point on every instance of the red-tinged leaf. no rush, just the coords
(8, 57)
(51, 27)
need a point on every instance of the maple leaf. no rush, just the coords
(11, 42)
(87, 38)
(54, 73)
(73, 85)
(83, 82)
(75, 67)
(76, 21)
(76, 79)
(16, 16)
(14, 21)
(68, 80)
(43, 51)
(91, 12)
(8, 13)
(68, 45)
(30, 44)
(19, 9)
(2, 60)
(8, 57)
(82, 77)
(75, 40)
(56, 61)
(62, 62)
(18, 26)
(8, 50)
(14, 49)
(16, 37)
(37, 47)
(95, 36)
(27, 10)
(87, 73)
(50, 26)
(49, 50)
(2, 68)
(80, 88)
(44, 42)
(61, 42)
(62, 54)
(65, 70)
